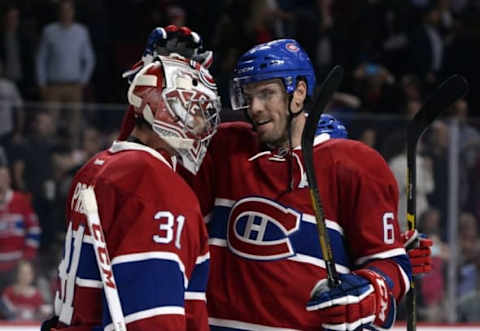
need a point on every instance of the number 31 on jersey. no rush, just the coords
(170, 228)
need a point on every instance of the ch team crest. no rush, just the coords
(260, 229)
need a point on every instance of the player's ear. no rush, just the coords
(299, 95)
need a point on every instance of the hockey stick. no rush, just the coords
(90, 208)
(452, 89)
(328, 87)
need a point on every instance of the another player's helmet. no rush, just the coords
(283, 58)
(179, 99)
(332, 126)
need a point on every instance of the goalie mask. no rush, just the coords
(179, 99)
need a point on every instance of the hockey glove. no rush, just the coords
(170, 41)
(362, 300)
(50, 324)
(418, 249)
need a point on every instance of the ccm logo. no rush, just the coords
(105, 264)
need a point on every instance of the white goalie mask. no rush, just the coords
(179, 99)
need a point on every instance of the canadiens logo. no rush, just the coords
(259, 229)
(292, 47)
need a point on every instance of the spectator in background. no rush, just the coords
(397, 164)
(436, 148)
(10, 45)
(11, 111)
(260, 24)
(374, 84)
(22, 299)
(427, 45)
(469, 135)
(429, 224)
(33, 171)
(65, 62)
(432, 284)
(475, 190)
(409, 90)
(16, 50)
(176, 15)
(19, 230)
(66, 163)
(469, 304)
(424, 186)
(469, 248)
(469, 147)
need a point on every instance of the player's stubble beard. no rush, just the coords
(278, 138)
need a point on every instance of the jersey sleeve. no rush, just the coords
(195, 295)
(369, 200)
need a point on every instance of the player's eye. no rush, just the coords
(268, 93)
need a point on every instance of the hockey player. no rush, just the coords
(152, 222)
(266, 260)
(263, 239)
(417, 244)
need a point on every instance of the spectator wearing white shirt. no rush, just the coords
(64, 65)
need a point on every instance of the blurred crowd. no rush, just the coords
(62, 96)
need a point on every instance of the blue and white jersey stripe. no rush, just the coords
(145, 285)
(150, 284)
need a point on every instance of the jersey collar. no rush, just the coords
(280, 156)
(120, 146)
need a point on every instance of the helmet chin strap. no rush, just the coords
(291, 116)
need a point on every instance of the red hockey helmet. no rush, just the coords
(179, 99)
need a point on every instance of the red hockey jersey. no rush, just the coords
(19, 230)
(265, 254)
(157, 241)
(24, 307)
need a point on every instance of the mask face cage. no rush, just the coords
(195, 113)
(193, 107)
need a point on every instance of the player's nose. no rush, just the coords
(256, 105)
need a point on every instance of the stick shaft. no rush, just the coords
(451, 90)
(328, 88)
(103, 259)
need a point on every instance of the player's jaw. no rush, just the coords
(271, 127)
